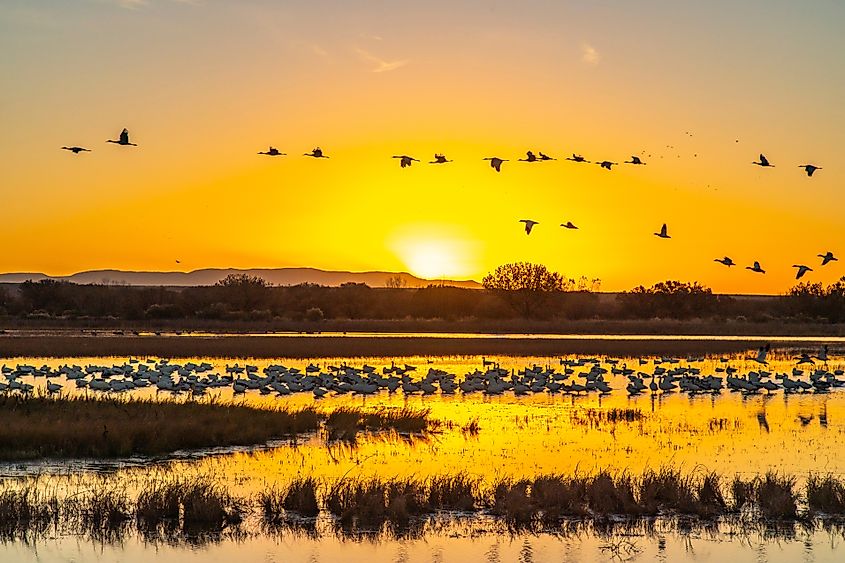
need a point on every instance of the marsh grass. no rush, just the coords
(595, 418)
(38, 426)
(826, 494)
(345, 423)
(204, 507)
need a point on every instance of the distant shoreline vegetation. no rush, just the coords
(513, 292)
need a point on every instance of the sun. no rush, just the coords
(430, 260)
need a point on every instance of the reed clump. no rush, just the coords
(36, 426)
(346, 422)
(595, 418)
(453, 492)
(826, 494)
(26, 510)
(299, 497)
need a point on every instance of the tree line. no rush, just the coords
(512, 291)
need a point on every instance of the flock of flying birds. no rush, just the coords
(496, 163)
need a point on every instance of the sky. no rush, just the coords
(697, 89)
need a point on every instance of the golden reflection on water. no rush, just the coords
(528, 435)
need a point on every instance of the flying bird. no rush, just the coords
(439, 159)
(576, 158)
(827, 257)
(316, 153)
(496, 163)
(76, 150)
(546, 157)
(662, 233)
(801, 270)
(810, 168)
(568, 225)
(123, 139)
(272, 151)
(764, 162)
(762, 352)
(634, 160)
(756, 268)
(529, 224)
(529, 157)
(405, 160)
(726, 261)
(606, 164)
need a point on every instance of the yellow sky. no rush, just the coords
(203, 86)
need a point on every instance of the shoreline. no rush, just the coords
(78, 344)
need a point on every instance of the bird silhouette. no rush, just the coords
(576, 158)
(272, 151)
(801, 270)
(529, 157)
(634, 160)
(529, 224)
(662, 233)
(726, 261)
(606, 164)
(568, 225)
(764, 162)
(405, 160)
(123, 139)
(316, 153)
(546, 157)
(810, 168)
(827, 257)
(496, 162)
(76, 150)
(756, 268)
(439, 159)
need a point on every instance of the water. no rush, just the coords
(521, 436)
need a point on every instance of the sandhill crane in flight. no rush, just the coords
(606, 164)
(546, 157)
(810, 168)
(827, 257)
(764, 162)
(662, 233)
(529, 224)
(568, 225)
(529, 157)
(272, 151)
(576, 158)
(76, 150)
(496, 162)
(801, 270)
(316, 153)
(405, 160)
(123, 139)
(439, 159)
(634, 160)
(726, 261)
(756, 268)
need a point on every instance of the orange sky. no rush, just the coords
(203, 85)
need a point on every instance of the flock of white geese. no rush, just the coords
(496, 163)
(574, 376)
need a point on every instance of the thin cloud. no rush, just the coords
(381, 65)
(589, 54)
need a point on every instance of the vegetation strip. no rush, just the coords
(36, 426)
(170, 508)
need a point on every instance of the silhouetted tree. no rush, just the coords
(669, 299)
(395, 282)
(814, 300)
(243, 291)
(525, 286)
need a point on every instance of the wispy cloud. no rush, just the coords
(135, 4)
(589, 54)
(381, 65)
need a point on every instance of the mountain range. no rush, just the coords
(210, 276)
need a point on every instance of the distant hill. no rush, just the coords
(210, 276)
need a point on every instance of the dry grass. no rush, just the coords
(595, 418)
(772, 495)
(105, 427)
